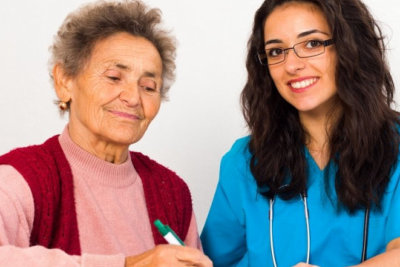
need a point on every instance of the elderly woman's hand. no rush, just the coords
(169, 255)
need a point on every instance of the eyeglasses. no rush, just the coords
(309, 48)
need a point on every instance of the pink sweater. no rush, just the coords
(111, 211)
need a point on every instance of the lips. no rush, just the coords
(126, 115)
(299, 85)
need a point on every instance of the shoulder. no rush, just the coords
(239, 152)
(395, 173)
(240, 146)
(141, 161)
(30, 153)
(34, 157)
(239, 155)
(235, 166)
(147, 167)
(15, 192)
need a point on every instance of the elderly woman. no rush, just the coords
(318, 179)
(81, 198)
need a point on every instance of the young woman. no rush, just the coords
(317, 181)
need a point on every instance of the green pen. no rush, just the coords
(168, 234)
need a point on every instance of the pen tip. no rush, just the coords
(158, 223)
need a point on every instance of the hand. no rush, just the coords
(302, 264)
(168, 256)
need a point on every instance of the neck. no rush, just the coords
(318, 128)
(317, 140)
(103, 149)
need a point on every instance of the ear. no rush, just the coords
(62, 83)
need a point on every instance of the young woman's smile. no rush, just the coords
(302, 84)
(307, 82)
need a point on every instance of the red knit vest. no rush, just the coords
(48, 174)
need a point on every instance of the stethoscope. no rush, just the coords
(304, 198)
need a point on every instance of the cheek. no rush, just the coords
(332, 71)
(329, 68)
(330, 77)
(276, 76)
(89, 106)
(151, 107)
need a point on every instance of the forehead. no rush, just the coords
(293, 18)
(128, 50)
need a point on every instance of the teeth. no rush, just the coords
(302, 84)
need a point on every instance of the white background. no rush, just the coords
(202, 118)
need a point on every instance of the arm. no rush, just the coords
(390, 258)
(174, 255)
(223, 235)
(192, 238)
(169, 255)
(38, 256)
(16, 220)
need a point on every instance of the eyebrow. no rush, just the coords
(149, 74)
(300, 35)
(122, 66)
(146, 73)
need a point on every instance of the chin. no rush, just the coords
(305, 105)
(122, 137)
(128, 140)
(305, 109)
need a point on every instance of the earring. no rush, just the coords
(62, 105)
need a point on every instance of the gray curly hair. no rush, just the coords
(93, 22)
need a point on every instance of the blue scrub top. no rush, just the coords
(236, 232)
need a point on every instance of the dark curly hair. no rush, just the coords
(363, 141)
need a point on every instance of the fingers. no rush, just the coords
(192, 257)
(168, 256)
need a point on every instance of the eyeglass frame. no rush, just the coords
(262, 55)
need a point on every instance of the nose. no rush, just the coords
(293, 63)
(130, 95)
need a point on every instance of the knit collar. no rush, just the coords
(95, 169)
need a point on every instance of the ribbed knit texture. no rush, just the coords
(167, 196)
(48, 174)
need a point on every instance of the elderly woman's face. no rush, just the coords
(117, 93)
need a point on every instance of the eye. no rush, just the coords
(148, 85)
(113, 75)
(113, 78)
(313, 44)
(149, 89)
(274, 52)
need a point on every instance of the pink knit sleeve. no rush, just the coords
(38, 256)
(16, 220)
(192, 238)
(16, 208)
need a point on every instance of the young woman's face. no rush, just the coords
(308, 84)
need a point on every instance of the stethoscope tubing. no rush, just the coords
(365, 235)
(308, 228)
(306, 215)
(271, 235)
